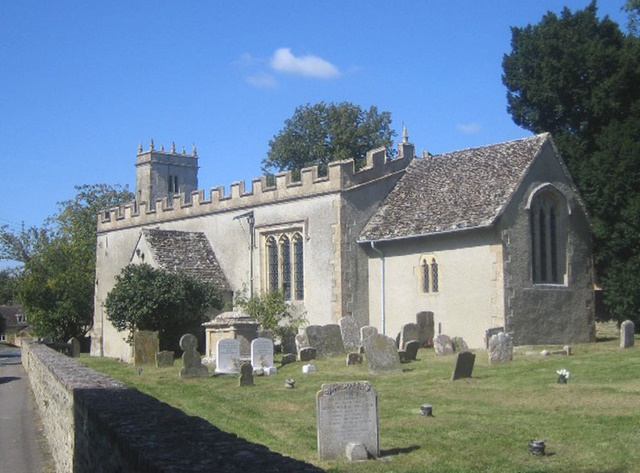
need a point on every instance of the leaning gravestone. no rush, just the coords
(164, 358)
(74, 351)
(459, 345)
(228, 356)
(464, 365)
(145, 347)
(627, 329)
(262, 353)
(490, 332)
(350, 331)
(411, 349)
(191, 362)
(425, 325)
(347, 413)
(382, 354)
(326, 339)
(307, 354)
(500, 348)
(408, 332)
(442, 345)
(246, 375)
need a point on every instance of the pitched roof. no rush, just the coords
(14, 316)
(189, 252)
(452, 191)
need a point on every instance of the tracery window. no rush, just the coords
(429, 278)
(285, 264)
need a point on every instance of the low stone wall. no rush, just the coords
(96, 424)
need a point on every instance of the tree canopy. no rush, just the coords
(56, 283)
(321, 133)
(147, 298)
(578, 77)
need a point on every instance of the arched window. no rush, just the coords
(284, 264)
(426, 277)
(429, 275)
(285, 252)
(298, 266)
(434, 275)
(548, 224)
(272, 263)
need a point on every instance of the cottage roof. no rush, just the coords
(14, 316)
(453, 191)
(189, 252)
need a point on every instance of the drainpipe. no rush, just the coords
(382, 305)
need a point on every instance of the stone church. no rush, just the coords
(495, 236)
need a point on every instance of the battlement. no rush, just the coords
(341, 176)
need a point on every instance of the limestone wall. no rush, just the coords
(96, 424)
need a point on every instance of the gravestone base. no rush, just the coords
(356, 452)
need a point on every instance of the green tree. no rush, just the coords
(632, 7)
(146, 298)
(57, 280)
(272, 312)
(8, 286)
(578, 77)
(321, 133)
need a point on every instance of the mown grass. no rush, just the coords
(591, 424)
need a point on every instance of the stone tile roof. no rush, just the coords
(452, 191)
(14, 316)
(189, 252)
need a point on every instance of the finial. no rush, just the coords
(405, 135)
(195, 151)
(162, 148)
(151, 146)
(173, 147)
(183, 150)
(140, 148)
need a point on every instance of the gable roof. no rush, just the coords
(453, 191)
(188, 252)
(14, 316)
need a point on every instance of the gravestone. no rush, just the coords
(464, 365)
(366, 332)
(411, 348)
(442, 345)
(74, 350)
(408, 332)
(426, 327)
(301, 342)
(627, 330)
(288, 359)
(382, 354)
(307, 354)
(192, 366)
(165, 358)
(350, 331)
(490, 332)
(262, 353)
(459, 345)
(326, 339)
(246, 375)
(354, 359)
(145, 347)
(228, 356)
(500, 348)
(347, 413)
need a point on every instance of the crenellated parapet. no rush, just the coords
(341, 176)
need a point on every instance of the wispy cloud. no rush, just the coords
(284, 60)
(262, 80)
(470, 128)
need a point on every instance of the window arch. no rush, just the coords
(429, 275)
(284, 264)
(298, 266)
(272, 263)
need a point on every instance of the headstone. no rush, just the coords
(459, 345)
(307, 354)
(246, 375)
(366, 332)
(192, 366)
(442, 345)
(403, 356)
(326, 339)
(288, 342)
(74, 351)
(464, 365)
(350, 331)
(354, 359)
(145, 347)
(347, 413)
(308, 369)
(408, 332)
(288, 359)
(228, 356)
(165, 358)
(426, 327)
(269, 370)
(411, 348)
(301, 342)
(262, 353)
(490, 332)
(500, 348)
(627, 330)
(382, 354)
(266, 334)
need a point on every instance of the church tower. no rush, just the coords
(161, 174)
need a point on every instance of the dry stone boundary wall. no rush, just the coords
(96, 424)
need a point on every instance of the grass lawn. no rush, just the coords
(481, 424)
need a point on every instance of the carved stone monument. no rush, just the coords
(192, 366)
(228, 356)
(464, 365)
(442, 345)
(500, 348)
(408, 332)
(165, 358)
(326, 339)
(145, 347)
(347, 413)
(627, 329)
(246, 375)
(382, 354)
(350, 331)
(262, 353)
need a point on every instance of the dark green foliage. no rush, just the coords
(8, 286)
(146, 298)
(321, 133)
(272, 312)
(632, 7)
(578, 77)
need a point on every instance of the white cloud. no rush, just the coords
(262, 80)
(470, 128)
(283, 60)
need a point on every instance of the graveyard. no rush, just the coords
(481, 423)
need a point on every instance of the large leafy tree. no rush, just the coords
(170, 303)
(324, 132)
(56, 283)
(8, 286)
(578, 77)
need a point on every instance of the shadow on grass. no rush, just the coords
(605, 339)
(8, 379)
(398, 451)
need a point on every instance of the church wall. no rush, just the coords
(470, 292)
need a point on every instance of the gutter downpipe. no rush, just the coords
(382, 272)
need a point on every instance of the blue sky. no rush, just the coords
(82, 83)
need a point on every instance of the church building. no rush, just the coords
(495, 236)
